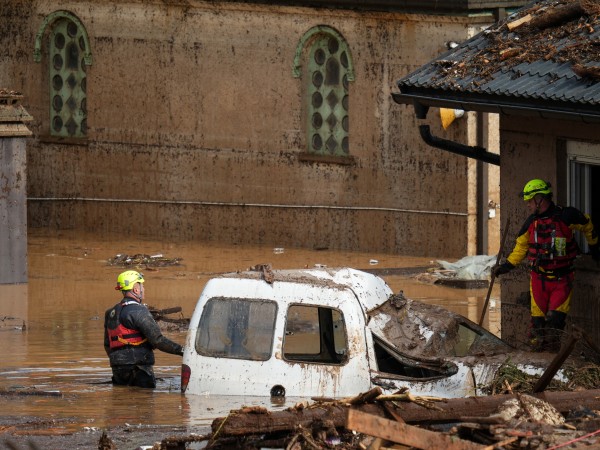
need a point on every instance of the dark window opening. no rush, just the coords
(332, 74)
(315, 334)
(584, 187)
(394, 363)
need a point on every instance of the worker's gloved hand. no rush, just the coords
(595, 252)
(503, 268)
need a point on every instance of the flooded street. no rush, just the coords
(52, 327)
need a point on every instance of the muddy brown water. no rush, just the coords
(51, 328)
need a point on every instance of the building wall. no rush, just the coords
(196, 126)
(527, 154)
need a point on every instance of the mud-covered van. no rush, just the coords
(334, 333)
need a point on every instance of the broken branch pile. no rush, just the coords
(510, 379)
(171, 324)
(476, 422)
(371, 421)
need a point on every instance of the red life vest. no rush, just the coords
(551, 244)
(119, 335)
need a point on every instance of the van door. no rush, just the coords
(323, 346)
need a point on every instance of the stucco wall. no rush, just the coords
(196, 123)
(528, 154)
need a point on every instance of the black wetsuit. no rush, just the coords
(132, 363)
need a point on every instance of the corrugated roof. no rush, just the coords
(551, 60)
(422, 6)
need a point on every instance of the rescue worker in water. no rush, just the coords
(131, 334)
(547, 240)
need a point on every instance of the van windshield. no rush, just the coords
(429, 331)
(237, 328)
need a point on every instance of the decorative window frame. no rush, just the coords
(53, 93)
(305, 46)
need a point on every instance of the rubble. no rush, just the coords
(143, 260)
(373, 421)
(510, 379)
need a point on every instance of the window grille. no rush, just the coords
(327, 95)
(68, 108)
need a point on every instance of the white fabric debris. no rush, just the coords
(471, 267)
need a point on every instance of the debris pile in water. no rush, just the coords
(470, 272)
(374, 421)
(141, 259)
(509, 379)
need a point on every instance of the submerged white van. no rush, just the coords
(333, 333)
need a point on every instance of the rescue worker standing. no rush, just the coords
(546, 239)
(131, 334)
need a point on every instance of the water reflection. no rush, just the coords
(52, 327)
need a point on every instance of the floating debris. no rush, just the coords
(20, 392)
(470, 272)
(141, 259)
(170, 323)
(13, 323)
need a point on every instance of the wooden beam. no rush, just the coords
(517, 23)
(404, 434)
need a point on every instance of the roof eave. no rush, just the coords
(499, 105)
(422, 6)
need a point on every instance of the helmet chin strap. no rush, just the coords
(136, 297)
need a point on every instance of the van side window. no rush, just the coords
(315, 334)
(237, 328)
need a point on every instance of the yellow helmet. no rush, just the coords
(127, 279)
(534, 187)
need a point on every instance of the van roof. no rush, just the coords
(371, 291)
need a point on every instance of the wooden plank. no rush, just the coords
(404, 434)
(517, 23)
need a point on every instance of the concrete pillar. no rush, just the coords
(13, 188)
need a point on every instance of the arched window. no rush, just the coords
(68, 57)
(329, 71)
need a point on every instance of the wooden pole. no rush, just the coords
(557, 362)
(489, 292)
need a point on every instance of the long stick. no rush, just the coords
(500, 251)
